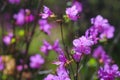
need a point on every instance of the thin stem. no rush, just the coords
(77, 69)
(65, 47)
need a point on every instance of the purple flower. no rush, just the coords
(51, 77)
(29, 18)
(82, 45)
(7, 39)
(23, 16)
(58, 49)
(108, 72)
(73, 11)
(108, 32)
(1, 64)
(44, 26)
(103, 27)
(36, 61)
(46, 12)
(101, 55)
(77, 56)
(46, 47)
(20, 17)
(62, 74)
(14, 1)
(92, 33)
(19, 67)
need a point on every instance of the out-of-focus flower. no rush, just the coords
(46, 12)
(14, 1)
(20, 17)
(44, 26)
(19, 67)
(28, 16)
(46, 47)
(7, 39)
(101, 55)
(73, 11)
(36, 61)
(1, 64)
(108, 72)
(23, 16)
(57, 48)
(82, 45)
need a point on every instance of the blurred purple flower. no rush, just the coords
(14, 1)
(46, 12)
(20, 17)
(29, 18)
(101, 55)
(73, 11)
(19, 67)
(57, 48)
(23, 16)
(7, 38)
(44, 26)
(36, 61)
(108, 72)
(46, 47)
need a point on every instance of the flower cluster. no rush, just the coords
(72, 12)
(23, 16)
(100, 29)
(109, 72)
(43, 23)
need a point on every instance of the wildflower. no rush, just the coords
(73, 11)
(36, 61)
(46, 12)
(62, 74)
(44, 26)
(82, 45)
(103, 27)
(23, 16)
(108, 72)
(20, 17)
(101, 55)
(46, 47)
(7, 39)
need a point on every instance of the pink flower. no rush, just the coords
(36, 61)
